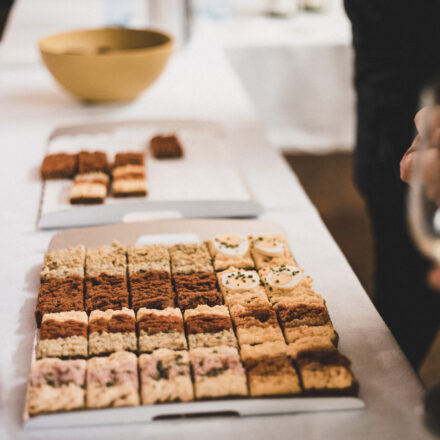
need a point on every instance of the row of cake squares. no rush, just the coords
(74, 334)
(91, 171)
(66, 165)
(312, 367)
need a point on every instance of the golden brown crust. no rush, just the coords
(59, 166)
(166, 147)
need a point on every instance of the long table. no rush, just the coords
(199, 84)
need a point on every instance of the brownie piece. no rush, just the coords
(59, 166)
(106, 292)
(128, 158)
(152, 290)
(166, 147)
(89, 162)
(60, 295)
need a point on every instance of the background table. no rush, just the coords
(198, 84)
(297, 71)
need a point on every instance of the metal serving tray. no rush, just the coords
(170, 231)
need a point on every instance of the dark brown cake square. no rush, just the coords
(166, 147)
(59, 166)
(106, 292)
(128, 158)
(60, 295)
(152, 290)
(89, 162)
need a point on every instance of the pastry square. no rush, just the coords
(62, 263)
(256, 323)
(129, 181)
(148, 258)
(106, 292)
(209, 327)
(285, 281)
(63, 335)
(90, 162)
(230, 250)
(112, 381)
(166, 147)
(60, 295)
(109, 260)
(218, 372)
(293, 334)
(302, 310)
(323, 370)
(196, 289)
(271, 250)
(190, 258)
(59, 166)
(56, 385)
(112, 330)
(160, 329)
(89, 188)
(165, 377)
(269, 370)
(129, 187)
(129, 158)
(235, 282)
(152, 290)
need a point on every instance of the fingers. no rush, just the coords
(434, 278)
(427, 121)
(407, 162)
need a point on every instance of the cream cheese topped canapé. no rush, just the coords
(240, 280)
(269, 246)
(232, 244)
(284, 277)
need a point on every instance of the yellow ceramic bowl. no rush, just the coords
(108, 64)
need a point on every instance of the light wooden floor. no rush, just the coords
(327, 180)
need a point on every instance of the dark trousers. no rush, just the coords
(385, 130)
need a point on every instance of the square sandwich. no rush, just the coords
(160, 329)
(112, 330)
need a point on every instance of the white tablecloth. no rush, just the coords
(199, 83)
(298, 73)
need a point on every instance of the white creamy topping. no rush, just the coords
(269, 246)
(240, 280)
(284, 277)
(232, 244)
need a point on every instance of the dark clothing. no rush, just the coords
(397, 47)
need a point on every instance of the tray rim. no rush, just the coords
(247, 406)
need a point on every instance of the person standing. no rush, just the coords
(396, 47)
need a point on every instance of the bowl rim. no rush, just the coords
(168, 44)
